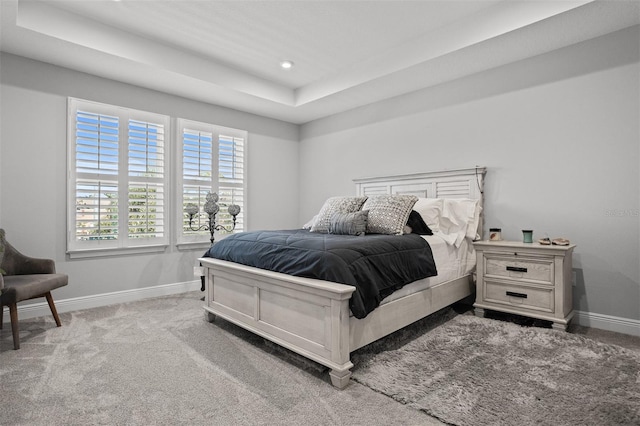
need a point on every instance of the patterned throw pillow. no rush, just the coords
(349, 223)
(309, 224)
(336, 205)
(388, 213)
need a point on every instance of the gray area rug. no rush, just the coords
(466, 370)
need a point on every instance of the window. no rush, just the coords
(212, 158)
(118, 186)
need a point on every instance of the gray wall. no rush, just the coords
(33, 148)
(559, 134)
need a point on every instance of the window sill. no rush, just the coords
(104, 252)
(193, 246)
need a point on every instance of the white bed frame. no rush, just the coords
(312, 317)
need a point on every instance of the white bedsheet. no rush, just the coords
(451, 263)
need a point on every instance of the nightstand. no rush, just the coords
(527, 279)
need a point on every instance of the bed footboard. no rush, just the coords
(307, 316)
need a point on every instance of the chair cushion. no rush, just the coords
(30, 286)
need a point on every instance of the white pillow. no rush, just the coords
(430, 209)
(459, 219)
(472, 230)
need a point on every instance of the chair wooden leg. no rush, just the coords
(52, 306)
(13, 313)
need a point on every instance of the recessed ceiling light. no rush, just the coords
(286, 64)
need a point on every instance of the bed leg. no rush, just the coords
(209, 316)
(340, 379)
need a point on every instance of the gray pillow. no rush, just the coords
(388, 214)
(335, 205)
(349, 223)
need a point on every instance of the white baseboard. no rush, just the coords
(608, 322)
(39, 309)
(586, 319)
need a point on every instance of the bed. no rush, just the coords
(312, 317)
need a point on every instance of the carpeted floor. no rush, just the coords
(158, 362)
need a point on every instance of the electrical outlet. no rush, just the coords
(198, 271)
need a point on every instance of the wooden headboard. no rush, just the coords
(461, 183)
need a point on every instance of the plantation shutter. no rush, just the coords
(213, 159)
(96, 186)
(146, 201)
(197, 175)
(231, 177)
(118, 177)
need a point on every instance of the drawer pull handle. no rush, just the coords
(516, 269)
(513, 294)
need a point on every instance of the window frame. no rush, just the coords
(202, 239)
(122, 179)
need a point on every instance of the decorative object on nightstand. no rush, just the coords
(495, 234)
(560, 242)
(527, 279)
(211, 208)
(527, 236)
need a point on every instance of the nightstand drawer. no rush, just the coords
(540, 299)
(519, 268)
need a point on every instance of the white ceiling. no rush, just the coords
(346, 53)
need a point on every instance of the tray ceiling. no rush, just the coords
(345, 53)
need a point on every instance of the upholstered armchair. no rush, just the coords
(25, 278)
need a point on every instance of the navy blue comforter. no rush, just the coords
(375, 264)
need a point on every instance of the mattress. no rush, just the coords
(450, 261)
